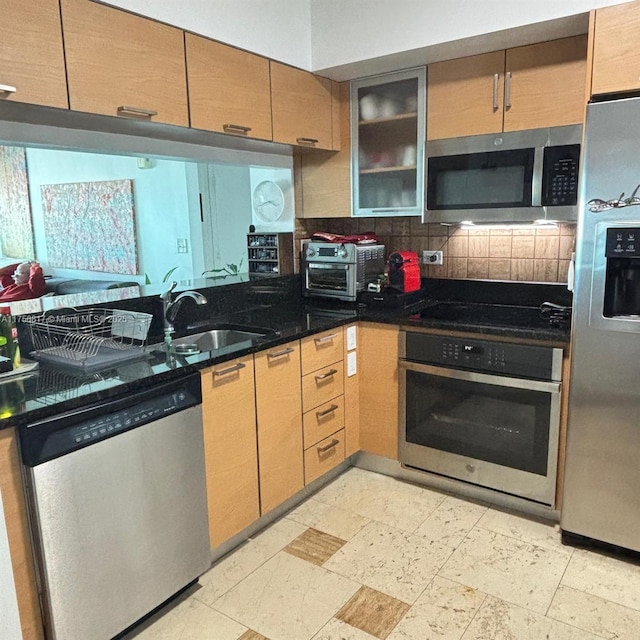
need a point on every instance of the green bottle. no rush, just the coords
(9, 331)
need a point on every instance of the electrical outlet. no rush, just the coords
(432, 257)
(183, 245)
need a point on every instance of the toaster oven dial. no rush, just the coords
(311, 252)
(342, 252)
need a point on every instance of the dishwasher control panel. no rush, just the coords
(98, 429)
(63, 434)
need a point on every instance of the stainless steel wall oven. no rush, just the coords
(481, 411)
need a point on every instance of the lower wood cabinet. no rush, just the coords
(230, 442)
(15, 515)
(279, 414)
(378, 345)
(323, 456)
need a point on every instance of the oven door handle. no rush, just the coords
(474, 376)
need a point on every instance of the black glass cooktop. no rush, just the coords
(499, 315)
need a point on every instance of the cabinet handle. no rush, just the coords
(7, 88)
(136, 111)
(308, 141)
(326, 412)
(325, 338)
(332, 444)
(236, 128)
(279, 354)
(507, 90)
(224, 372)
(329, 374)
(496, 80)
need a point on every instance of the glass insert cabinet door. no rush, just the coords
(387, 134)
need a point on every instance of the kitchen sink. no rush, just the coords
(218, 338)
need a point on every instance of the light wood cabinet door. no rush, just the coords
(379, 390)
(323, 178)
(616, 55)
(15, 515)
(230, 445)
(121, 64)
(229, 89)
(547, 84)
(31, 54)
(279, 410)
(301, 104)
(465, 96)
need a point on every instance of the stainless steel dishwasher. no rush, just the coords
(118, 507)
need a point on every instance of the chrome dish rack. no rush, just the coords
(89, 339)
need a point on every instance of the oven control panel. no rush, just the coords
(503, 358)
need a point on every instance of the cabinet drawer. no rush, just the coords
(321, 350)
(321, 386)
(323, 456)
(321, 422)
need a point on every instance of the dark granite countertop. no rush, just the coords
(51, 391)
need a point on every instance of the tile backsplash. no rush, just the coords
(522, 254)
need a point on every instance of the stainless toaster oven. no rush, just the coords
(340, 270)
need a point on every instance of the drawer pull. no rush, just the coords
(136, 111)
(325, 338)
(326, 412)
(7, 88)
(332, 444)
(279, 354)
(308, 141)
(224, 372)
(329, 374)
(236, 128)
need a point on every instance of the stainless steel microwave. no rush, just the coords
(519, 176)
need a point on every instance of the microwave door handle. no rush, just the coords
(538, 177)
(474, 376)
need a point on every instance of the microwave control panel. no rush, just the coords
(560, 175)
(623, 243)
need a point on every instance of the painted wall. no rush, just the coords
(368, 29)
(162, 207)
(277, 29)
(386, 34)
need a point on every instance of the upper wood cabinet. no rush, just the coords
(616, 56)
(279, 411)
(31, 55)
(229, 89)
(302, 107)
(323, 178)
(230, 446)
(121, 64)
(465, 96)
(540, 85)
(547, 84)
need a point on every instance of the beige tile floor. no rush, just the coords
(372, 557)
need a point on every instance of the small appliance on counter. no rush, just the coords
(341, 269)
(404, 271)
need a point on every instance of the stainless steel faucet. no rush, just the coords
(170, 307)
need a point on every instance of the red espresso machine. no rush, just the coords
(404, 271)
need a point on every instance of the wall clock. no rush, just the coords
(268, 201)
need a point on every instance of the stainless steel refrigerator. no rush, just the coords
(602, 474)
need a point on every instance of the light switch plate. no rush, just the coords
(352, 367)
(351, 338)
